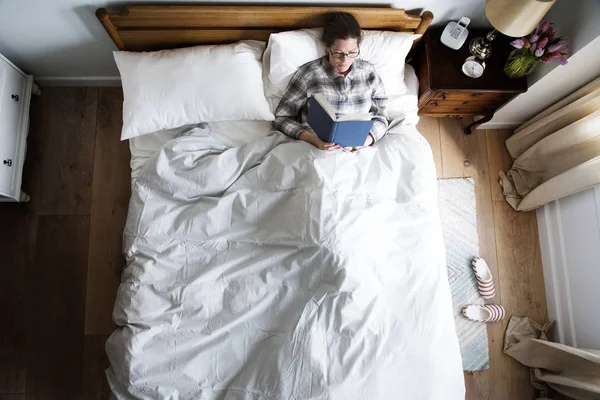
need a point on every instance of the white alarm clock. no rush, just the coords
(473, 67)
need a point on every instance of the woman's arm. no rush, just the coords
(290, 106)
(378, 103)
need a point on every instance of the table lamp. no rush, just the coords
(511, 17)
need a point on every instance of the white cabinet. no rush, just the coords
(15, 95)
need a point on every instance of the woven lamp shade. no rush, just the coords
(516, 17)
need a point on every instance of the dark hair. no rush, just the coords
(340, 25)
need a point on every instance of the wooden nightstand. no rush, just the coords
(445, 91)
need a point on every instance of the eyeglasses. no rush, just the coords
(341, 54)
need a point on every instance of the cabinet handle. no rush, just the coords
(15, 97)
(8, 162)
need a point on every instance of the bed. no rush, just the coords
(261, 268)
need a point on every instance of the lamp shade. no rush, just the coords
(516, 17)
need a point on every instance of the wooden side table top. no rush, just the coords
(444, 65)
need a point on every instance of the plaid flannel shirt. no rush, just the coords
(360, 91)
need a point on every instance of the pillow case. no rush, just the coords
(287, 51)
(171, 88)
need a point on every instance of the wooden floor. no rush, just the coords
(62, 258)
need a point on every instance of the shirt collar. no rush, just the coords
(329, 69)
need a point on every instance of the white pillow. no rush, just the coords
(387, 51)
(170, 88)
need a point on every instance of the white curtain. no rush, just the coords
(557, 153)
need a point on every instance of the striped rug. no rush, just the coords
(459, 226)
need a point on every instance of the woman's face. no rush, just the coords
(343, 63)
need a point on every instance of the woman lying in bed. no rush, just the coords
(349, 85)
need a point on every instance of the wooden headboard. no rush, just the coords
(143, 28)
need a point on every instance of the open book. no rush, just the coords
(345, 130)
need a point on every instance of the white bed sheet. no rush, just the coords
(274, 270)
(142, 147)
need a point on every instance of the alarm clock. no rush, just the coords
(473, 67)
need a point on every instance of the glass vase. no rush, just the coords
(520, 62)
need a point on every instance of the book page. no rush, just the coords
(320, 98)
(325, 104)
(355, 117)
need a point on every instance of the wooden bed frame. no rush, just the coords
(144, 28)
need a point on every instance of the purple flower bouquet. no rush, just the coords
(539, 46)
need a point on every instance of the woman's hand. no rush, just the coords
(316, 141)
(370, 140)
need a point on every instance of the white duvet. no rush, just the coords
(278, 271)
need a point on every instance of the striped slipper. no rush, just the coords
(484, 313)
(485, 284)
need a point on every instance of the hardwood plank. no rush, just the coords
(498, 157)
(14, 247)
(94, 383)
(110, 201)
(520, 268)
(287, 17)
(497, 382)
(17, 243)
(157, 39)
(69, 125)
(463, 155)
(56, 347)
(180, 23)
(429, 127)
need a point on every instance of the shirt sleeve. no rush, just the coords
(288, 112)
(378, 103)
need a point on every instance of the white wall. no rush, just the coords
(569, 231)
(578, 20)
(62, 38)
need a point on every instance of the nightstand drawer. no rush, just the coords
(481, 96)
(453, 111)
(470, 103)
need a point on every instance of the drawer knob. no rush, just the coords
(15, 97)
(8, 162)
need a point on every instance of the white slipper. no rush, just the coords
(484, 313)
(485, 283)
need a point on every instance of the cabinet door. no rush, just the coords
(12, 86)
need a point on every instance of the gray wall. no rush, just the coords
(62, 38)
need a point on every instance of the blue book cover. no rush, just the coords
(322, 120)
